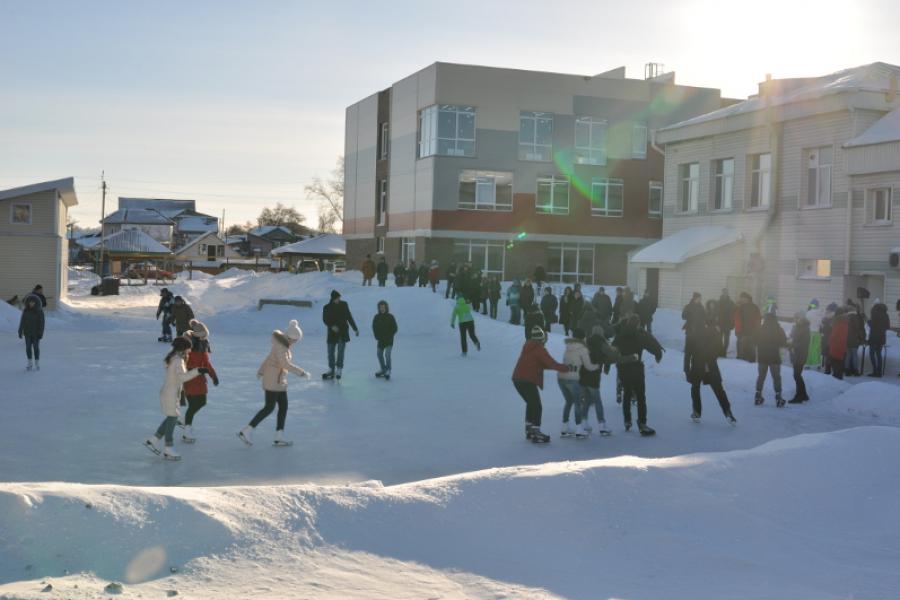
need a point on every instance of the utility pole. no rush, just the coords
(102, 218)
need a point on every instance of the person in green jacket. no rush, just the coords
(463, 312)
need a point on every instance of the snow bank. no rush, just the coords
(9, 317)
(872, 400)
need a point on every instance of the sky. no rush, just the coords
(240, 104)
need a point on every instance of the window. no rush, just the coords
(220, 250)
(760, 180)
(20, 214)
(590, 141)
(485, 255)
(447, 130)
(552, 196)
(571, 263)
(607, 197)
(485, 190)
(689, 187)
(202, 249)
(381, 201)
(724, 184)
(818, 177)
(385, 142)
(407, 250)
(878, 206)
(654, 211)
(535, 136)
(379, 245)
(814, 268)
(639, 141)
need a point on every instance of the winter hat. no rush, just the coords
(294, 333)
(335, 294)
(814, 304)
(876, 301)
(832, 307)
(198, 330)
(537, 334)
(180, 344)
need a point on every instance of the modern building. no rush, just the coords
(787, 194)
(510, 169)
(33, 245)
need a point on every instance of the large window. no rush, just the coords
(724, 184)
(590, 141)
(485, 255)
(379, 245)
(552, 196)
(818, 177)
(878, 206)
(447, 130)
(607, 197)
(381, 208)
(760, 180)
(485, 190)
(654, 210)
(571, 263)
(689, 187)
(384, 142)
(814, 268)
(639, 141)
(407, 250)
(535, 135)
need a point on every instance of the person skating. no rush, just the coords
(549, 304)
(484, 293)
(273, 375)
(528, 379)
(462, 311)
(825, 331)
(701, 367)
(384, 328)
(338, 320)
(601, 353)
(646, 308)
(837, 343)
(631, 339)
(694, 315)
(381, 272)
(513, 300)
(770, 339)
(196, 389)
(434, 275)
(463, 279)
(799, 344)
(565, 309)
(164, 309)
(400, 275)
(31, 328)
(627, 306)
(534, 316)
(181, 316)
(176, 375)
(495, 291)
(725, 316)
(575, 358)
(878, 327)
(451, 280)
(368, 270)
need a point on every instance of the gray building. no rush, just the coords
(511, 169)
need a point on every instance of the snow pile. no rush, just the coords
(9, 317)
(872, 400)
(703, 524)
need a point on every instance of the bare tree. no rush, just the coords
(330, 194)
(282, 215)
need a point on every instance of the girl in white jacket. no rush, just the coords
(576, 357)
(273, 373)
(176, 375)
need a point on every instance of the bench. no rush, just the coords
(300, 303)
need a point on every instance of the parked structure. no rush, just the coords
(788, 193)
(510, 169)
(33, 245)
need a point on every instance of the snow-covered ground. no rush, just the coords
(423, 487)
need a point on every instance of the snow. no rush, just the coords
(327, 243)
(885, 129)
(423, 486)
(687, 243)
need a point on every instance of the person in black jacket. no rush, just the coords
(540, 276)
(770, 339)
(384, 327)
(799, 347)
(451, 280)
(495, 291)
(412, 274)
(534, 316)
(726, 319)
(31, 327)
(423, 274)
(576, 308)
(602, 305)
(694, 315)
(38, 292)
(381, 271)
(631, 339)
(565, 309)
(601, 353)
(164, 308)
(878, 326)
(701, 354)
(337, 318)
(646, 308)
(856, 335)
(548, 307)
(400, 275)
(526, 295)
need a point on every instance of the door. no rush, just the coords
(652, 287)
(211, 252)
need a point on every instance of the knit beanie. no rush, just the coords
(293, 332)
(335, 294)
(537, 334)
(198, 330)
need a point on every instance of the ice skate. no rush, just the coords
(327, 376)
(37, 365)
(730, 418)
(759, 399)
(695, 417)
(30, 365)
(246, 435)
(337, 374)
(538, 437)
(602, 430)
(387, 375)
(379, 374)
(567, 431)
(779, 401)
(188, 436)
(645, 430)
(627, 425)
(152, 444)
(280, 441)
(580, 433)
(170, 454)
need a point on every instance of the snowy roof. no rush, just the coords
(65, 187)
(197, 240)
(163, 205)
(686, 244)
(885, 129)
(236, 239)
(133, 241)
(264, 229)
(326, 244)
(874, 77)
(198, 223)
(137, 215)
(88, 241)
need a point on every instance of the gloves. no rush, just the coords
(203, 370)
(357, 332)
(215, 381)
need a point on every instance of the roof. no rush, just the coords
(686, 244)
(886, 129)
(88, 241)
(133, 241)
(236, 239)
(163, 205)
(137, 215)
(198, 223)
(873, 77)
(65, 187)
(328, 244)
(266, 229)
(196, 241)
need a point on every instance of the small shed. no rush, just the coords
(129, 247)
(327, 246)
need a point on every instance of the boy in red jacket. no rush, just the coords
(195, 389)
(528, 376)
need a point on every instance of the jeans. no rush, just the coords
(384, 358)
(799, 383)
(166, 428)
(877, 360)
(591, 396)
(273, 398)
(515, 314)
(467, 327)
(532, 398)
(717, 389)
(33, 346)
(775, 370)
(340, 354)
(166, 326)
(851, 360)
(195, 403)
(571, 391)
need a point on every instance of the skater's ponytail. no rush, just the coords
(179, 344)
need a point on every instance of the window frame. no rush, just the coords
(720, 179)
(528, 150)
(602, 125)
(485, 246)
(654, 214)
(384, 142)
(559, 274)
(639, 151)
(815, 263)
(381, 202)
(606, 183)
(429, 138)
(379, 245)
(757, 174)
(819, 169)
(553, 181)
(872, 210)
(479, 179)
(407, 250)
(693, 188)
(13, 213)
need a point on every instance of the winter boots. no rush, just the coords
(730, 418)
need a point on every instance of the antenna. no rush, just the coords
(102, 218)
